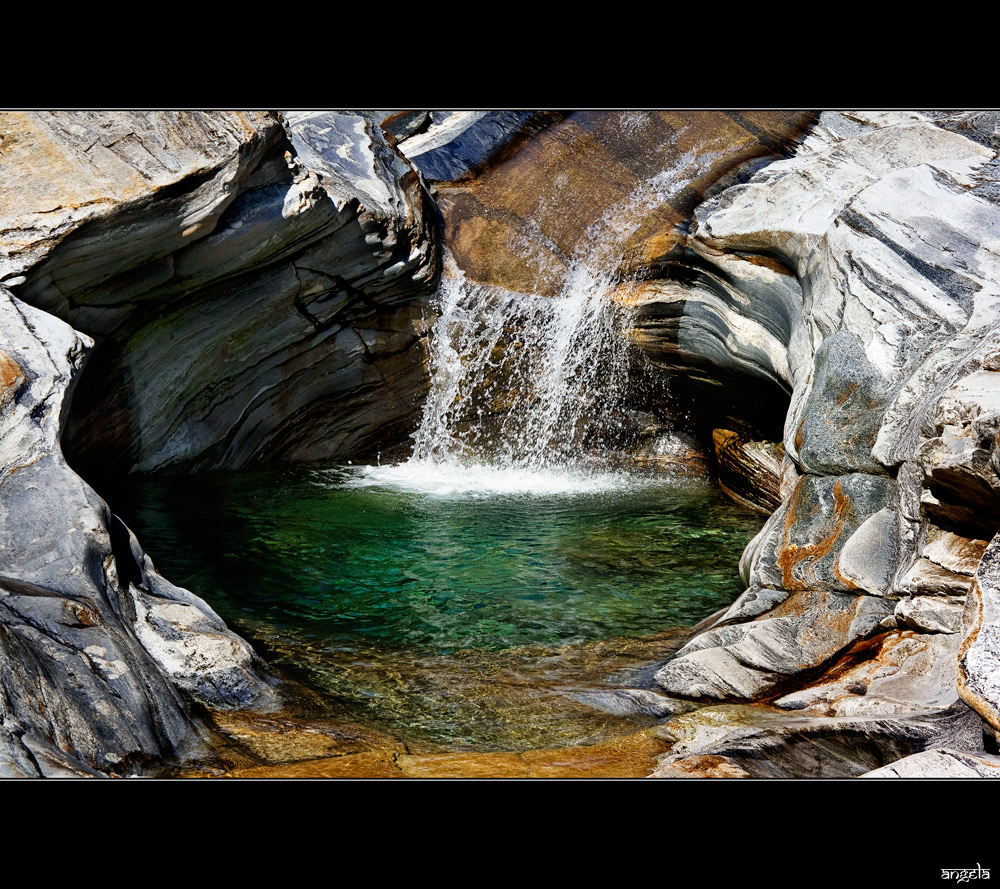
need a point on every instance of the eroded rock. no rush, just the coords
(84, 685)
(882, 221)
(254, 296)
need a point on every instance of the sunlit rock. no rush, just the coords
(254, 292)
(888, 226)
(941, 762)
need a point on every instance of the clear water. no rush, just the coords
(467, 597)
(454, 612)
(353, 555)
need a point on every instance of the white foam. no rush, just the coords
(451, 478)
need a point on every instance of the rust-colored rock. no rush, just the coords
(519, 223)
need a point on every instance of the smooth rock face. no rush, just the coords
(246, 306)
(885, 223)
(523, 218)
(898, 673)
(90, 662)
(731, 741)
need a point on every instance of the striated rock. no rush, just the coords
(940, 762)
(453, 144)
(302, 283)
(723, 332)
(235, 305)
(744, 742)
(979, 657)
(749, 471)
(884, 223)
(901, 672)
(93, 643)
(743, 661)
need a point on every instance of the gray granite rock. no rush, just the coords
(233, 305)
(746, 742)
(940, 762)
(889, 356)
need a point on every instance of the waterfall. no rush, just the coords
(520, 380)
(526, 389)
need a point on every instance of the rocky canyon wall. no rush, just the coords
(209, 300)
(184, 292)
(860, 275)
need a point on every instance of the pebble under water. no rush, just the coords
(459, 612)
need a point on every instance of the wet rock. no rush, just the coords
(521, 220)
(629, 701)
(455, 143)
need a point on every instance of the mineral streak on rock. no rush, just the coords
(520, 220)
(886, 226)
(749, 471)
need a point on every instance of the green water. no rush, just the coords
(303, 549)
(459, 616)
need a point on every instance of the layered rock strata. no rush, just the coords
(254, 293)
(96, 648)
(210, 300)
(860, 277)
(527, 201)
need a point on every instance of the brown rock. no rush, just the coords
(518, 223)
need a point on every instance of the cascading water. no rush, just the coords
(520, 380)
(527, 391)
(482, 577)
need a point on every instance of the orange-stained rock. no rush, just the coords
(519, 223)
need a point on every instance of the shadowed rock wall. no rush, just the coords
(209, 301)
